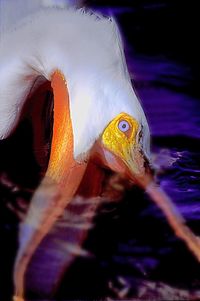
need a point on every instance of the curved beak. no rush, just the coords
(134, 164)
(137, 168)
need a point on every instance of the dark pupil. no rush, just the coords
(124, 125)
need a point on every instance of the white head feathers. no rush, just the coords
(87, 49)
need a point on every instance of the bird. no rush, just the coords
(98, 119)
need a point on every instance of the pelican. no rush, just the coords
(97, 115)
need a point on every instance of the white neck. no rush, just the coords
(87, 50)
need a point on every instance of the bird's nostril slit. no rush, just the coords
(140, 134)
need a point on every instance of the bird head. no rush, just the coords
(121, 148)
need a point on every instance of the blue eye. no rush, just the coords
(123, 126)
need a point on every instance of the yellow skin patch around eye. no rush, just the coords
(117, 141)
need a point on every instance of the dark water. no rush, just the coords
(134, 252)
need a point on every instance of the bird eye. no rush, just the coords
(123, 126)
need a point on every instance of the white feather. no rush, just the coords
(12, 11)
(61, 3)
(87, 49)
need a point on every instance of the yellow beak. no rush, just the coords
(138, 167)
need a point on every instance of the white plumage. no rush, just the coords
(87, 49)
